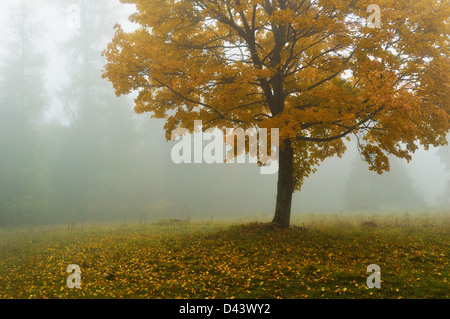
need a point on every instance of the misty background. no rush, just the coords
(71, 150)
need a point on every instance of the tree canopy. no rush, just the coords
(315, 69)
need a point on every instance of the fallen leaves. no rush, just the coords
(243, 261)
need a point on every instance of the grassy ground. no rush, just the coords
(327, 258)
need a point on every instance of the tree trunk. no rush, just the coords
(285, 186)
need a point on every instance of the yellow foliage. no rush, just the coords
(310, 68)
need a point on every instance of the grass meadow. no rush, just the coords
(321, 256)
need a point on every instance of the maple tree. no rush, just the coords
(314, 69)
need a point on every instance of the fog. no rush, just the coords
(71, 150)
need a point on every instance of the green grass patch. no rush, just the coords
(323, 257)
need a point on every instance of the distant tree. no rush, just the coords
(24, 184)
(394, 190)
(444, 154)
(91, 154)
(286, 64)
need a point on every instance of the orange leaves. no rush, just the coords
(282, 17)
(312, 69)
